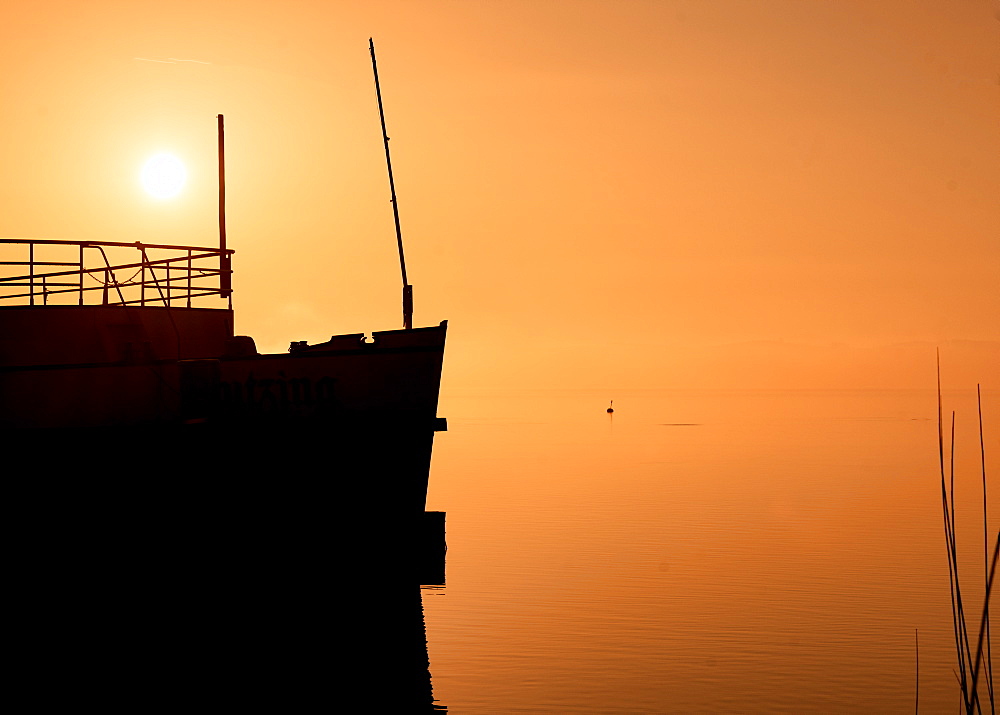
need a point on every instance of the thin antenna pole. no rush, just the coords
(225, 265)
(407, 288)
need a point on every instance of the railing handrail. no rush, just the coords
(176, 272)
(133, 244)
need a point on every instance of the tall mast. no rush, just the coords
(407, 288)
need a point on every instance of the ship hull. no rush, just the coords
(230, 547)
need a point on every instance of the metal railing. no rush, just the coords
(111, 273)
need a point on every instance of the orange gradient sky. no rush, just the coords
(625, 193)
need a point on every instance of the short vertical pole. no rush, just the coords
(225, 265)
(81, 274)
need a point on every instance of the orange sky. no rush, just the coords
(596, 193)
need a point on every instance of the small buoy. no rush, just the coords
(611, 407)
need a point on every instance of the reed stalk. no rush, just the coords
(984, 624)
(970, 661)
(986, 553)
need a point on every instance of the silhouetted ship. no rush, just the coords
(184, 499)
(119, 342)
(187, 511)
(134, 350)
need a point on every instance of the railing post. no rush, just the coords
(104, 292)
(31, 273)
(81, 274)
(189, 279)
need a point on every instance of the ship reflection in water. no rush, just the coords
(217, 594)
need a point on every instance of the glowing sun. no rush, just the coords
(163, 176)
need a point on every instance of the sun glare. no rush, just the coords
(163, 176)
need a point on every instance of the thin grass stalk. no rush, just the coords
(951, 485)
(916, 647)
(953, 583)
(949, 543)
(964, 650)
(986, 552)
(983, 623)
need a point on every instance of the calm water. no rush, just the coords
(720, 552)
